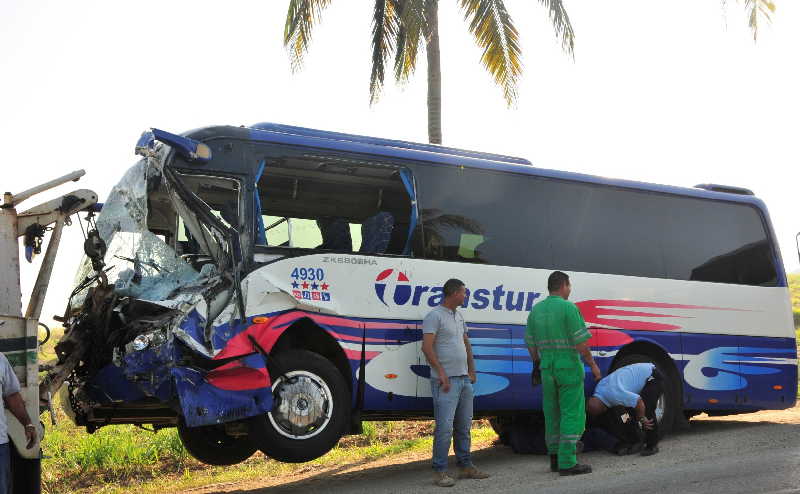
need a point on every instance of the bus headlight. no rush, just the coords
(141, 342)
(146, 340)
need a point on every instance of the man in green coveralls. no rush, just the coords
(556, 337)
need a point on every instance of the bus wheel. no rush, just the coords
(310, 408)
(213, 446)
(668, 406)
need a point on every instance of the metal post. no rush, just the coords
(18, 198)
(43, 279)
(10, 291)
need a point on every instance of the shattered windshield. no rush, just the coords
(148, 241)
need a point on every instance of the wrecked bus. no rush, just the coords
(263, 288)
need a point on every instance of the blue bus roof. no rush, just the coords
(287, 134)
(377, 141)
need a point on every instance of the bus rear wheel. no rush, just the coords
(502, 427)
(213, 446)
(668, 406)
(310, 410)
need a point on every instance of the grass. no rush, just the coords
(794, 290)
(119, 459)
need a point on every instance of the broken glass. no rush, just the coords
(140, 263)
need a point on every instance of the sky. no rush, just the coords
(668, 92)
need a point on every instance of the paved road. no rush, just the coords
(754, 453)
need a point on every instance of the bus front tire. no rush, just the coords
(671, 396)
(310, 411)
(211, 445)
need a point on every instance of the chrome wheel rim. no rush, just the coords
(303, 405)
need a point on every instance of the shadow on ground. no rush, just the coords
(332, 479)
(417, 474)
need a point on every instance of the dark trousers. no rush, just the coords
(5, 468)
(652, 389)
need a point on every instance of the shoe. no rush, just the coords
(635, 448)
(443, 479)
(621, 449)
(576, 470)
(553, 463)
(627, 449)
(472, 473)
(649, 451)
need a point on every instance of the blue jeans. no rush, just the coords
(5, 468)
(453, 414)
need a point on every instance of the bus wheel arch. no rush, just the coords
(305, 334)
(646, 351)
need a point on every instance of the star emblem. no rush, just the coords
(295, 285)
(305, 285)
(325, 286)
(314, 286)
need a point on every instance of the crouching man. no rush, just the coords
(636, 386)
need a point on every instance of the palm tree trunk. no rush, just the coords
(434, 73)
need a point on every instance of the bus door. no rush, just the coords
(491, 349)
(494, 366)
(393, 375)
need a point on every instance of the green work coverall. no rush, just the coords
(555, 326)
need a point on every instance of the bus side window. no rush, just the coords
(357, 208)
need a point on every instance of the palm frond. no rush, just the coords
(301, 18)
(561, 24)
(494, 31)
(759, 8)
(410, 36)
(385, 28)
(756, 9)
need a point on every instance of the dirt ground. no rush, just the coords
(715, 454)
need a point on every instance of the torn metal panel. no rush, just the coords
(271, 289)
(202, 403)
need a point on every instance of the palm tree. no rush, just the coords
(401, 27)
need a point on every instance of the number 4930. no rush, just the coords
(310, 274)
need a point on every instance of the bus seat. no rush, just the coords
(335, 234)
(376, 231)
(398, 240)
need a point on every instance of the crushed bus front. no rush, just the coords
(142, 339)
